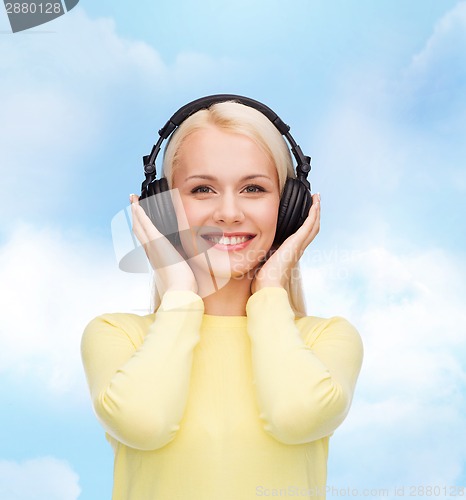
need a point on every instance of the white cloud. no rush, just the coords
(51, 285)
(37, 479)
(435, 81)
(64, 93)
(444, 48)
(389, 154)
(407, 423)
(358, 150)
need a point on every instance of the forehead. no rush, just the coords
(223, 154)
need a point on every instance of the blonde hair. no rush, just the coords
(237, 118)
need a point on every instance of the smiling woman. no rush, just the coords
(246, 147)
(228, 388)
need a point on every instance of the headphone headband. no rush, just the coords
(206, 102)
(303, 162)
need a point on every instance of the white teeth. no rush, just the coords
(226, 240)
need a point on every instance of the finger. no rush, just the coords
(313, 219)
(137, 226)
(158, 248)
(135, 215)
(313, 222)
(140, 216)
(134, 198)
(143, 227)
(309, 229)
(316, 198)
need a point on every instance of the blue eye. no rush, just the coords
(200, 189)
(256, 188)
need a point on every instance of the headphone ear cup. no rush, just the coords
(156, 202)
(294, 208)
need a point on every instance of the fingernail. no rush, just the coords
(131, 197)
(318, 196)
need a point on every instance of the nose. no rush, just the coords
(228, 209)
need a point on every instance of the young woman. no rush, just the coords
(228, 390)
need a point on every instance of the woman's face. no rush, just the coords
(230, 194)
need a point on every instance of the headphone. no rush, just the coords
(295, 201)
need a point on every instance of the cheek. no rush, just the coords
(193, 216)
(183, 210)
(195, 213)
(267, 218)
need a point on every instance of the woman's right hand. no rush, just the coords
(172, 272)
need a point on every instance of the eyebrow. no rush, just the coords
(212, 178)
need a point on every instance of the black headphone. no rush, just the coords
(296, 199)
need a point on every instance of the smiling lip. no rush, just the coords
(228, 241)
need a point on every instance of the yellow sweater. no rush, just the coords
(202, 407)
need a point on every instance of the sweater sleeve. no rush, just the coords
(139, 392)
(304, 391)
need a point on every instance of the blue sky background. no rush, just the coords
(375, 92)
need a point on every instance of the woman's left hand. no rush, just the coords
(276, 270)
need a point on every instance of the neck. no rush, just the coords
(229, 299)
